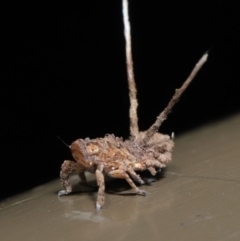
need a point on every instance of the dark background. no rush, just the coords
(63, 73)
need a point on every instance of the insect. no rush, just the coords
(118, 158)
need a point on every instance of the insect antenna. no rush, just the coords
(64, 142)
(178, 92)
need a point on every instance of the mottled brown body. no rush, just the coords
(116, 158)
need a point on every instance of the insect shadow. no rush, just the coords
(115, 186)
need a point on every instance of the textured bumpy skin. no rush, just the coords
(116, 158)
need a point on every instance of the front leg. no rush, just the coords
(101, 189)
(67, 168)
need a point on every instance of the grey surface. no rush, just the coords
(198, 199)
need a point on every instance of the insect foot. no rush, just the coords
(142, 192)
(63, 193)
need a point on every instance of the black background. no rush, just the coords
(64, 73)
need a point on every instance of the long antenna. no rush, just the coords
(131, 82)
(63, 142)
(163, 115)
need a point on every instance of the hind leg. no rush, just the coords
(135, 176)
(154, 164)
(67, 168)
(154, 167)
(123, 175)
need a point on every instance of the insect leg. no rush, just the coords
(150, 164)
(101, 189)
(67, 168)
(135, 176)
(123, 175)
(152, 170)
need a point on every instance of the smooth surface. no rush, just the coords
(198, 199)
